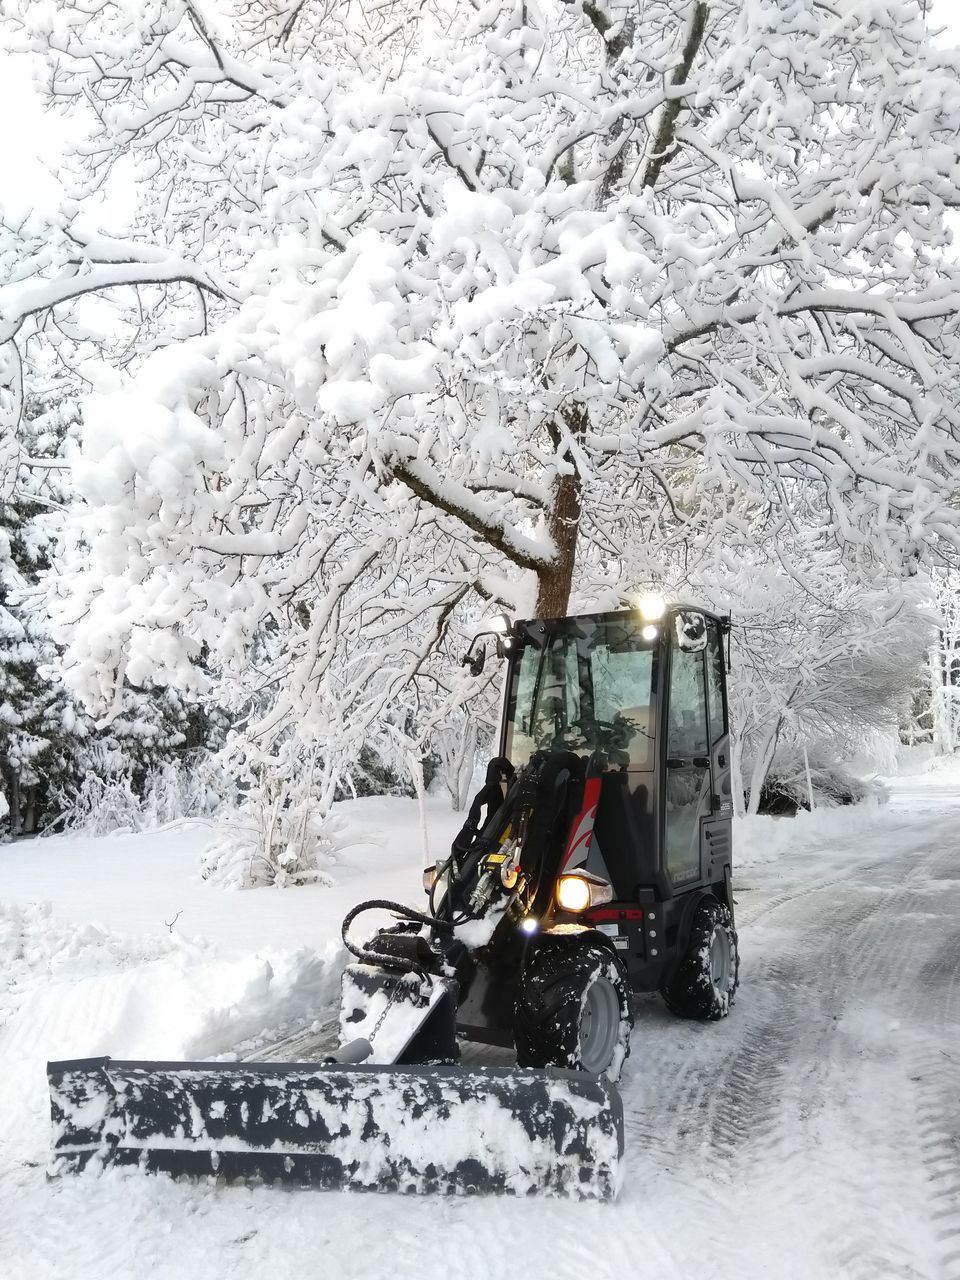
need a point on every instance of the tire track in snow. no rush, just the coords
(936, 1074)
(766, 1103)
(728, 1091)
(787, 1067)
(802, 987)
(705, 1094)
(869, 963)
(873, 968)
(860, 859)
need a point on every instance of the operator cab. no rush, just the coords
(642, 702)
(611, 849)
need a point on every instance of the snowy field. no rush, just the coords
(814, 1133)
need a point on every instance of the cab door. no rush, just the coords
(718, 832)
(719, 727)
(688, 789)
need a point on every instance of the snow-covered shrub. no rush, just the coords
(283, 833)
(272, 842)
(457, 748)
(186, 791)
(785, 789)
(371, 775)
(934, 715)
(101, 806)
(107, 804)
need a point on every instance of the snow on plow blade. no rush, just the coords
(438, 1129)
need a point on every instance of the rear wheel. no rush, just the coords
(574, 1010)
(704, 985)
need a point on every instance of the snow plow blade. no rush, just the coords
(433, 1129)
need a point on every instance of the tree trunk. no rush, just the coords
(14, 805)
(736, 777)
(761, 765)
(28, 822)
(555, 581)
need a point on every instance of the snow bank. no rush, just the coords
(148, 883)
(762, 839)
(77, 991)
(117, 946)
(924, 783)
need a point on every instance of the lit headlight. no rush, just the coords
(652, 607)
(429, 878)
(580, 891)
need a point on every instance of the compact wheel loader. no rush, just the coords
(595, 863)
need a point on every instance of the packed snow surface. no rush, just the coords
(814, 1133)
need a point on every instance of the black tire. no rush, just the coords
(574, 1010)
(705, 983)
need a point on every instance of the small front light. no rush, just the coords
(529, 924)
(573, 893)
(429, 878)
(649, 633)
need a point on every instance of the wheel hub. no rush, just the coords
(599, 1026)
(720, 960)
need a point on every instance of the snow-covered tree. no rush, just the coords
(429, 300)
(823, 658)
(41, 729)
(938, 715)
(825, 671)
(34, 713)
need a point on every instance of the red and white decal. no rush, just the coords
(578, 846)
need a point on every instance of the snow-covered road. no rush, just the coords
(814, 1133)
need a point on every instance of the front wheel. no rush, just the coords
(574, 1010)
(706, 981)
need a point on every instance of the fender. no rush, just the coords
(684, 925)
(573, 934)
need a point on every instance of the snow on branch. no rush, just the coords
(492, 297)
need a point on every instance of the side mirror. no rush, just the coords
(474, 661)
(691, 632)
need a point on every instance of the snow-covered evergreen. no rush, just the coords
(61, 767)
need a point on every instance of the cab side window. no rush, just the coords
(687, 786)
(687, 724)
(715, 684)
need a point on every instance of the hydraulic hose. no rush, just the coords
(367, 954)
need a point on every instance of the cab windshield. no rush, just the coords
(586, 687)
